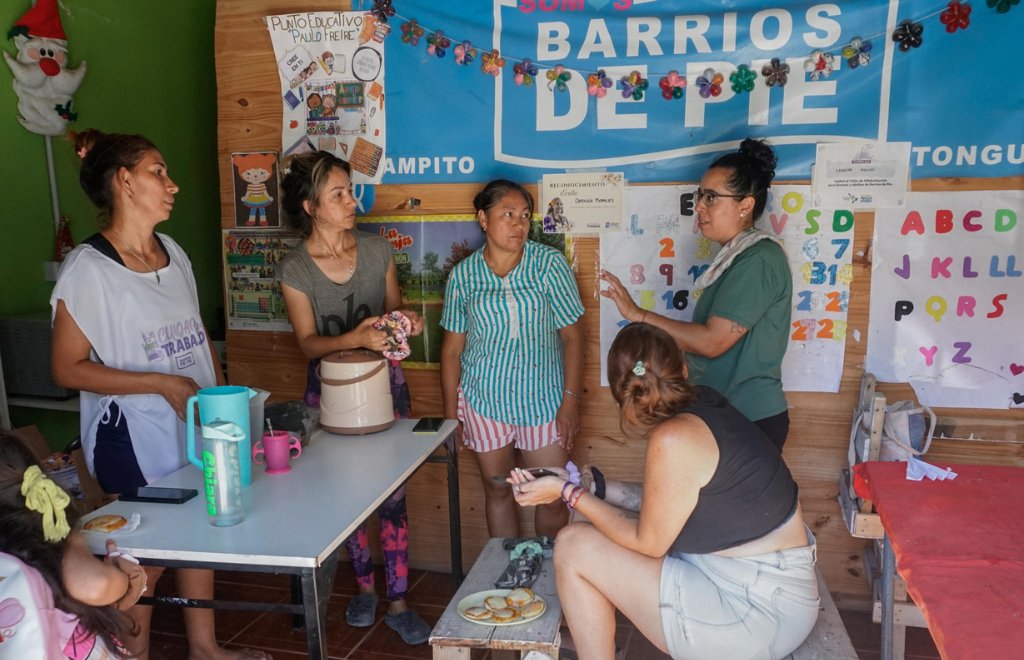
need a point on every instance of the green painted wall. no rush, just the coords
(150, 71)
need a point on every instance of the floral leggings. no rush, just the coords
(394, 523)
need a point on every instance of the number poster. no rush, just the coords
(946, 297)
(660, 255)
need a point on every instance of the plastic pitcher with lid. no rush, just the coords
(226, 403)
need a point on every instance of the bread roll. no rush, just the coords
(478, 613)
(495, 603)
(504, 614)
(532, 609)
(519, 597)
(106, 524)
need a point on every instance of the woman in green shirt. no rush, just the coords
(740, 328)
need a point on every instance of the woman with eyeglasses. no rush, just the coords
(740, 328)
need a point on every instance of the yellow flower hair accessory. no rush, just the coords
(47, 498)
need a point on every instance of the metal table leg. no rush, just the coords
(454, 511)
(888, 595)
(316, 590)
(451, 459)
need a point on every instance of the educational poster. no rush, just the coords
(254, 300)
(331, 66)
(257, 200)
(660, 255)
(657, 256)
(426, 249)
(587, 203)
(947, 298)
(818, 243)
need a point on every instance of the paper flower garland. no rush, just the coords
(558, 78)
(908, 34)
(493, 62)
(465, 53)
(742, 79)
(672, 86)
(382, 9)
(956, 16)
(524, 72)
(775, 73)
(710, 83)
(858, 52)
(411, 32)
(634, 85)
(1002, 6)
(598, 84)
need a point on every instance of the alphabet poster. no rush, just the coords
(947, 301)
(331, 66)
(660, 255)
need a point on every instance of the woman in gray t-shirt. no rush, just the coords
(336, 284)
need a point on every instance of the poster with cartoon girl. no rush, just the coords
(256, 192)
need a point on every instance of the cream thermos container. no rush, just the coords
(355, 393)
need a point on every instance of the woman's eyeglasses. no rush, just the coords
(709, 197)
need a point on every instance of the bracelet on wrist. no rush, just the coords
(566, 485)
(571, 393)
(574, 497)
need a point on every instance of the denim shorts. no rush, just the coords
(762, 606)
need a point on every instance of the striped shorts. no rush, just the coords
(483, 434)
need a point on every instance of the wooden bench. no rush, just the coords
(455, 637)
(829, 639)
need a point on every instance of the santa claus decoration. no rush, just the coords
(42, 80)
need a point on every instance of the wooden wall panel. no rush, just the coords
(249, 116)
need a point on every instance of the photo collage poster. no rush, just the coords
(331, 67)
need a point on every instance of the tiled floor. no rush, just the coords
(429, 593)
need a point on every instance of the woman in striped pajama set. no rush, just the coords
(511, 362)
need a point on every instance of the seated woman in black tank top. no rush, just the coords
(709, 557)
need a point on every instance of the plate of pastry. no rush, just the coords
(502, 607)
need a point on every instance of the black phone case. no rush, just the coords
(180, 499)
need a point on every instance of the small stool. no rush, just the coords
(454, 636)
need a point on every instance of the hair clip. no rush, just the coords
(82, 152)
(639, 369)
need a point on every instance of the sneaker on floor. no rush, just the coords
(411, 628)
(362, 610)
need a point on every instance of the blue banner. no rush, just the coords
(958, 97)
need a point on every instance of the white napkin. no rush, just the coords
(918, 470)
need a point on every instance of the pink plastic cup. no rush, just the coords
(276, 450)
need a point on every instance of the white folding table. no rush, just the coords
(294, 522)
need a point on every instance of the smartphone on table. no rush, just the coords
(428, 425)
(159, 495)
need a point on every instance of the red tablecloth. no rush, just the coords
(959, 546)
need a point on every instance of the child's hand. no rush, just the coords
(128, 565)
